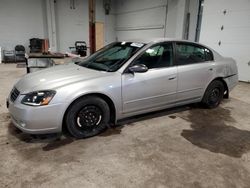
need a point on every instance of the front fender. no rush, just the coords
(111, 88)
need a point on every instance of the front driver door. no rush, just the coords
(155, 88)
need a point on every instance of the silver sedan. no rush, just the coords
(121, 80)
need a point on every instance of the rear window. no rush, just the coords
(192, 53)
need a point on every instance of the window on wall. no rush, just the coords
(159, 56)
(189, 53)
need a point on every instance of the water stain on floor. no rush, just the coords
(151, 115)
(172, 117)
(57, 144)
(112, 131)
(53, 141)
(212, 130)
(13, 131)
(40, 147)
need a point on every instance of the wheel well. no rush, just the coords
(102, 96)
(226, 92)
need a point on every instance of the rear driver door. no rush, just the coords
(195, 69)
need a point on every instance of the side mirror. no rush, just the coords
(140, 68)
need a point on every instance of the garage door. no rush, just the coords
(139, 19)
(226, 28)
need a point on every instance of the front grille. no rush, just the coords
(14, 94)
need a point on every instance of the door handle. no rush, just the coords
(172, 78)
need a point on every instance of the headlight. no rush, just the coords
(38, 98)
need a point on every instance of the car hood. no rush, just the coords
(56, 77)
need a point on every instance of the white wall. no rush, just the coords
(159, 18)
(20, 21)
(176, 18)
(51, 25)
(235, 38)
(72, 24)
(193, 10)
(171, 19)
(108, 20)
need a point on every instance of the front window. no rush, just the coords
(158, 56)
(111, 57)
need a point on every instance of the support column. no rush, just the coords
(92, 26)
(181, 15)
(175, 19)
(51, 21)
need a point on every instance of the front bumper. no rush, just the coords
(36, 120)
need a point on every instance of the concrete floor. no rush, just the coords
(180, 147)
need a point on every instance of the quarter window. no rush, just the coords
(159, 56)
(189, 53)
(209, 55)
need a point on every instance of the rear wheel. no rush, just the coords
(87, 117)
(214, 94)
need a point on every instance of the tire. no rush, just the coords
(213, 94)
(87, 117)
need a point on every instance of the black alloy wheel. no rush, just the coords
(87, 117)
(214, 94)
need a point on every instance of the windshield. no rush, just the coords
(111, 57)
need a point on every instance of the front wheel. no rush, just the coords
(214, 94)
(87, 117)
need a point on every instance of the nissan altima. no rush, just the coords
(121, 80)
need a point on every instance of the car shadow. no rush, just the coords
(53, 141)
(131, 121)
(211, 129)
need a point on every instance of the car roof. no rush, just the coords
(154, 40)
(157, 40)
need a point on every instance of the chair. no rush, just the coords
(8, 56)
(19, 53)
